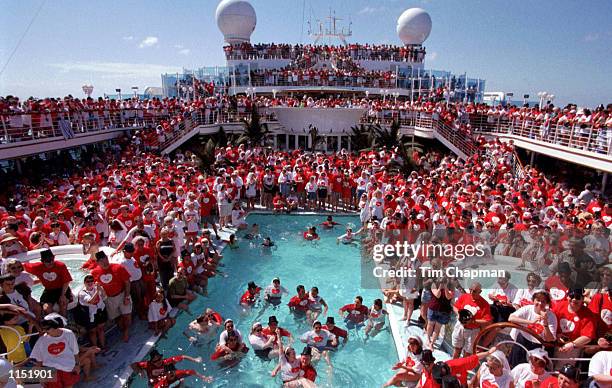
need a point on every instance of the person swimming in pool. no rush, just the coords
(232, 242)
(267, 242)
(298, 304)
(316, 305)
(329, 223)
(250, 296)
(311, 234)
(354, 314)
(253, 233)
(274, 292)
(317, 338)
(376, 319)
(349, 237)
(204, 328)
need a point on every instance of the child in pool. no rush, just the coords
(267, 242)
(232, 243)
(311, 234)
(254, 233)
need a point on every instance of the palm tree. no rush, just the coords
(220, 138)
(362, 137)
(255, 133)
(387, 137)
(205, 151)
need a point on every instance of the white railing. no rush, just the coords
(576, 136)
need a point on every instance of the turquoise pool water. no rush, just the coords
(334, 269)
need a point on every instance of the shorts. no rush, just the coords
(263, 353)
(322, 193)
(52, 296)
(274, 301)
(64, 379)
(312, 196)
(115, 306)
(209, 219)
(463, 338)
(426, 297)
(438, 317)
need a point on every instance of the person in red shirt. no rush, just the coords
(156, 367)
(298, 304)
(559, 285)
(273, 326)
(601, 305)
(464, 334)
(577, 325)
(208, 202)
(435, 372)
(330, 325)
(55, 278)
(173, 375)
(357, 313)
(305, 364)
(569, 377)
(250, 295)
(115, 280)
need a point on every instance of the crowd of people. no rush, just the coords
(313, 53)
(160, 220)
(589, 129)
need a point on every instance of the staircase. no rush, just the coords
(457, 141)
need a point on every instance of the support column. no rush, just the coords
(604, 182)
(532, 158)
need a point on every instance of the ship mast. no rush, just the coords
(330, 30)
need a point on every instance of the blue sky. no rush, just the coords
(563, 47)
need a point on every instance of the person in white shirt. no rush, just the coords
(58, 348)
(600, 368)
(262, 344)
(537, 317)
(91, 304)
(238, 217)
(291, 373)
(317, 338)
(159, 314)
(57, 235)
(535, 371)
(502, 298)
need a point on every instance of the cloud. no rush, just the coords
(370, 10)
(432, 55)
(184, 51)
(116, 69)
(149, 41)
(591, 37)
(128, 38)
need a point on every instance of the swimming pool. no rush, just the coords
(334, 269)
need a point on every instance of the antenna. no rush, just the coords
(330, 29)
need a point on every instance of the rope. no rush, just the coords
(22, 36)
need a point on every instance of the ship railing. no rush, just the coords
(405, 118)
(458, 137)
(18, 127)
(318, 82)
(577, 136)
(253, 55)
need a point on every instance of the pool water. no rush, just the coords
(334, 269)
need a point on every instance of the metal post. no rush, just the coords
(604, 182)
(532, 158)
(6, 137)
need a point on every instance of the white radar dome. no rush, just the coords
(236, 19)
(414, 26)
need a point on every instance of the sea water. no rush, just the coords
(334, 269)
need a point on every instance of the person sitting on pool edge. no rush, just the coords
(311, 234)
